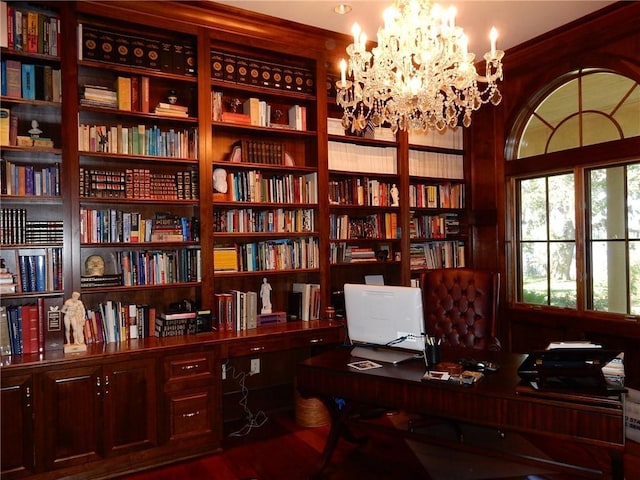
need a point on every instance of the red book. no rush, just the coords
(30, 330)
(41, 323)
(144, 94)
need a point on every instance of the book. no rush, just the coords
(5, 339)
(305, 290)
(5, 114)
(123, 89)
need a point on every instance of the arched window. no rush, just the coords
(582, 196)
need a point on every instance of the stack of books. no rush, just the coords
(98, 96)
(171, 110)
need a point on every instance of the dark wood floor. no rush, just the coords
(281, 450)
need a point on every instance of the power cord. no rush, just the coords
(253, 421)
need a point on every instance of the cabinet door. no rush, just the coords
(16, 396)
(70, 416)
(129, 406)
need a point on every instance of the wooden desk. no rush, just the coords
(495, 401)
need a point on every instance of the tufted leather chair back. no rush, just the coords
(460, 306)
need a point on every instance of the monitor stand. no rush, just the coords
(385, 355)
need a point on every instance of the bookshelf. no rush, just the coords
(32, 217)
(265, 193)
(364, 209)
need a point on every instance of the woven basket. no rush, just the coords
(310, 412)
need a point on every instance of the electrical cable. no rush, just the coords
(253, 421)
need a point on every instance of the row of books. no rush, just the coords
(138, 183)
(304, 301)
(444, 195)
(376, 226)
(139, 140)
(38, 270)
(441, 254)
(436, 165)
(18, 179)
(350, 157)
(434, 226)
(336, 127)
(360, 191)
(16, 229)
(254, 186)
(29, 30)
(258, 151)
(236, 310)
(341, 252)
(284, 254)
(117, 226)
(176, 56)
(251, 71)
(277, 220)
(30, 82)
(22, 328)
(448, 138)
(159, 267)
(112, 321)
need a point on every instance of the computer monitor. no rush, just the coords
(385, 322)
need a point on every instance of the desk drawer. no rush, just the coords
(189, 366)
(250, 346)
(190, 414)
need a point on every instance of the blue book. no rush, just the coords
(3, 78)
(40, 267)
(15, 328)
(28, 81)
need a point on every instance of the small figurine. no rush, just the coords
(74, 318)
(265, 296)
(35, 130)
(172, 98)
(220, 180)
(395, 196)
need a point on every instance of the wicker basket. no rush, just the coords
(311, 412)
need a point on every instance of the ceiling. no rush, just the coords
(516, 20)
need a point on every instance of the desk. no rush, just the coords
(495, 401)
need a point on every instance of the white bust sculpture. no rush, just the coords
(220, 180)
(394, 196)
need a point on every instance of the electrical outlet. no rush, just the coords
(224, 371)
(255, 366)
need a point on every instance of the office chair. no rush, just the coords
(460, 310)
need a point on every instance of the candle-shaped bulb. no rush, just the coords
(356, 33)
(343, 71)
(363, 40)
(493, 36)
(452, 16)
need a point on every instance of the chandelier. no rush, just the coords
(420, 75)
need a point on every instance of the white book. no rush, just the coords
(305, 289)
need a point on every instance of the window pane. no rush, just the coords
(534, 140)
(634, 276)
(628, 114)
(533, 209)
(607, 203)
(597, 128)
(533, 258)
(609, 276)
(633, 200)
(566, 136)
(561, 207)
(561, 103)
(564, 289)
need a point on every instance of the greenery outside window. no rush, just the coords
(578, 196)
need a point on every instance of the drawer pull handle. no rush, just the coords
(190, 367)
(256, 349)
(316, 340)
(192, 414)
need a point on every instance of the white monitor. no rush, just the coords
(384, 319)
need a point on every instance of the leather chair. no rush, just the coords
(460, 307)
(460, 310)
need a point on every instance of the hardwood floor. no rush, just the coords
(281, 450)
